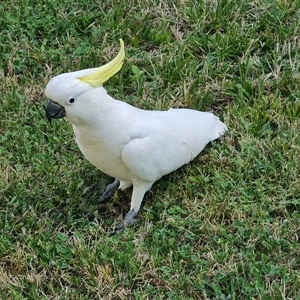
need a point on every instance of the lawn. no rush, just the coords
(225, 226)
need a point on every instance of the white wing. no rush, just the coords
(164, 141)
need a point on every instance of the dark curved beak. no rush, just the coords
(54, 111)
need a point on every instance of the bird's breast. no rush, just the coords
(103, 152)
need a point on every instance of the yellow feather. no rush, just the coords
(102, 74)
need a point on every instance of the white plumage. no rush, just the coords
(135, 146)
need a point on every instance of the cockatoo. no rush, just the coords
(136, 147)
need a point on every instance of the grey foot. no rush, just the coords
(128, 220)
(109, 191)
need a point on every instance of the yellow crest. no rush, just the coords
(102, 74)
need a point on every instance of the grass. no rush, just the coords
(226, 226)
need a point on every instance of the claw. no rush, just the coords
(109, 191)
(128, 220)
(118, 230)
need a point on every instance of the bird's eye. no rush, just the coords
(72, 100)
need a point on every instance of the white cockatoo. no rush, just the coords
(135, 146)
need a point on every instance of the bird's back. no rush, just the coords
(193, 128)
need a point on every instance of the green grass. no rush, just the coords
(225, 226)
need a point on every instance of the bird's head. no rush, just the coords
(70, 92)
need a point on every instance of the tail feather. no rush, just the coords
(220, 128)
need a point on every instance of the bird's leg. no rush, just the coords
(109, 191)
(138, 193)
